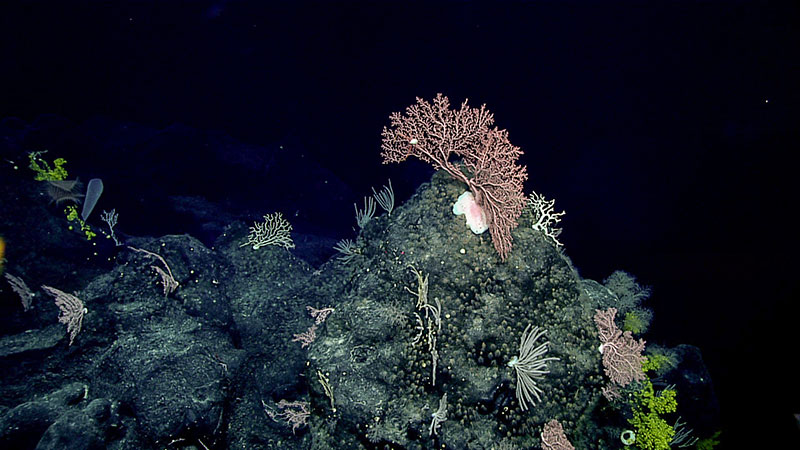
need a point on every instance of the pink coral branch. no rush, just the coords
(554, 438)
(434, 133)
(622, 354)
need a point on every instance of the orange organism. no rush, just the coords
(2, 252)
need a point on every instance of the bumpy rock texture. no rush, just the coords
(209, 364)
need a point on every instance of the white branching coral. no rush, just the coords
(275, 230)
(545, 216)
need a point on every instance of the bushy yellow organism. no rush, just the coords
(73, 216)
(652, 431)
(44, 172)
(634, 323)
(654, 362)
(57, 172)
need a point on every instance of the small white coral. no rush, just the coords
(275, 230)
(546, 218)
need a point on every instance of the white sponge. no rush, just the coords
(476, 218)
